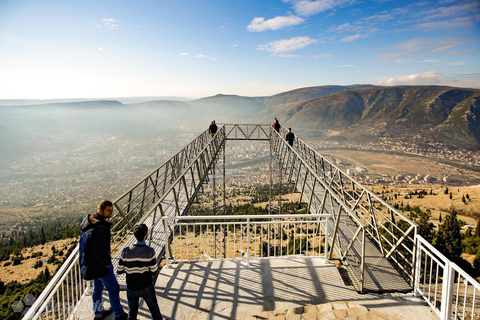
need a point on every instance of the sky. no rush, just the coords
(197, 48)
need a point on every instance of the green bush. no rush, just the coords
(38, 264)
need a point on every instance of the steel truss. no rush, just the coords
(371, 237)
(364, 226)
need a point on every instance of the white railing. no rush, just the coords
(448, 289)
(246, 237)
(62, 296)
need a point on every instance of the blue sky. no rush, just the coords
(94, 49)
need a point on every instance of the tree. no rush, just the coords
(440, 218)
(451, 196)
(477, 229)
(468, 197)
(449, 239)
(43, 237)
(476, 262)
(463, 199)
(446, 190)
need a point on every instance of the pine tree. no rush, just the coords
(476, 262)
(463, 199)
(477, 229)
(449, 240)
(468, 197)
(440, 218)
(446, 190)
(451, 196)
(43, 237)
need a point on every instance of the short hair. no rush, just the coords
(289, 129)
(140, 230)
(103, 204)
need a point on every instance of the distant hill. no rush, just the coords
(308, 93)
(361, 113)
(425, 113)
(231, 105)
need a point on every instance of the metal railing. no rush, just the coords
(447, 289)
(61, 297)
(247, 131)
(246, 237)
(59, 300)
(361, 212)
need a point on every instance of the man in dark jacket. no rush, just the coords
(139, 263)
(290, 137)
(96, 261)
(213, 128)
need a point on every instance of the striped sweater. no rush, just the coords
(139, 263)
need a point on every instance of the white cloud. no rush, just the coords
(110, 23)
(184, 54)
(284, 55)
(323, 55)
(463, 22)
(430, 77)
(100, 49)
(404, 49)
(285, 45)
(259, 24)
(351, 38)
(457, 63)
(345, 66)
(346, 27)
(234, 46)
(309, 8)
(202, 56)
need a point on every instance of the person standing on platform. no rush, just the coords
(213, 128)
(139, 263)
(290, 137)
(276, 125)
(96, 262)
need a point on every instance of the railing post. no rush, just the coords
(167, 241)
(447, 290)
(248, 241)
(418, 267)
(326, 240)
(362, 264)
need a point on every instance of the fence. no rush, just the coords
(449, 290)
(64, 292)
(360, 212)
(226, 237)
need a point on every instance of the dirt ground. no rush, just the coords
(395, 164)
(25, 272)
(439, 202)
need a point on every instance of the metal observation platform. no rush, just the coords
(377, 244)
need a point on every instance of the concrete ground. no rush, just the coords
(232, 290)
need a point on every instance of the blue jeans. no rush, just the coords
(150, 298)
(111, 284)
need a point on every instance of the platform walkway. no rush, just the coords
(311, 179)
(232, 290)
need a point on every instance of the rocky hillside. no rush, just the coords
(433, 113)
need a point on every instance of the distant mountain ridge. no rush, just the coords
(361, 112)
(431, 113)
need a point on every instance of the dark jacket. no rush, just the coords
(139, 263)
(213, 128)
(95, 248)
(290, 137)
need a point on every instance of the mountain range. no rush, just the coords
(360, 113)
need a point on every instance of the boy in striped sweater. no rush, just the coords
(139, 263)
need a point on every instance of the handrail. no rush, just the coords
(438, 281)
(246, 216)
(43, 300)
